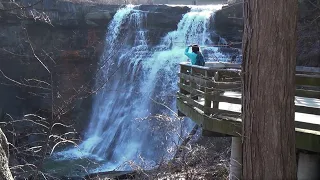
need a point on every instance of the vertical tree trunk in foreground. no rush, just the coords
(5, 173)
(269, 61)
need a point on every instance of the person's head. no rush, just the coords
(195, 48)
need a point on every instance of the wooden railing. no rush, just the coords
(202, 89)
(211, 82)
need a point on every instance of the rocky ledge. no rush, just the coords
(228, 23)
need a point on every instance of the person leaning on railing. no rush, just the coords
(195, 56)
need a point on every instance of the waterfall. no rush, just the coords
(133, 110)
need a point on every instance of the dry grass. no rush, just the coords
(207, 158)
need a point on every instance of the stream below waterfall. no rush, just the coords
(133, 118)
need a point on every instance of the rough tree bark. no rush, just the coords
(269, 60)
(5, 173)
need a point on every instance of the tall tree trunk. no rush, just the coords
(269, 61)
(5, 173)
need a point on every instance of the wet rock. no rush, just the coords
(1, 6)
(161, 19)
(228, 23)
(98, 18)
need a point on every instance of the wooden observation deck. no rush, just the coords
(211, 97)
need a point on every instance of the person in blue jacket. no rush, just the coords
(195, 56)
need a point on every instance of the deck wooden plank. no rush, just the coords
(227, 86)
(305, 139)
(308, 93)
(310, 80)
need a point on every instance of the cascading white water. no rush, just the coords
(141, 83)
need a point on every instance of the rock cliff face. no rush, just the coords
(228, 23)
(52, 49)
(309, 33)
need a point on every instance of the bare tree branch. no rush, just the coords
(20, 83)
(22, 7)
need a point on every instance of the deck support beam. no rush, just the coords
(308, 166)
(236, 159)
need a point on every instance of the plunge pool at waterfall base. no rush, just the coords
(71, 168)
(79, 168)
(212, 154)
(87, 165)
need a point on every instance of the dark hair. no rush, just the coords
(195, 48)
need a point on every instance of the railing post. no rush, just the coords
(193, 85)
(207, 101)
(215, 104)
(183, 70)
(308, 166)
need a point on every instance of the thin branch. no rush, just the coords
(20, 166)
(64, 141)
(34, 54)
(314, 4)
(13, 53)
(21, 84)
(162, 104)
(39, 81)
(28, 120)
(59, 124)
(49, 56)
(314, 20)
(22, 7)
(34, 115)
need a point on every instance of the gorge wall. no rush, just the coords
(228, 23)
(63, 40)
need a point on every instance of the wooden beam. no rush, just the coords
(307, 70)
(308, 93)
(231, 127)
(222, 98)
(190, 101)
(222, 65)
(199, 71)
(308, 140)
(209, 110)
(308, 110)
(305, 139)
(219, 98)
(207, 133)
(211, 84)
(212, 96)
(191, 90)
(198, 80)
(310, 80)
(305, 125)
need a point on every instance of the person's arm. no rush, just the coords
(186, 52)
(191, 56)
